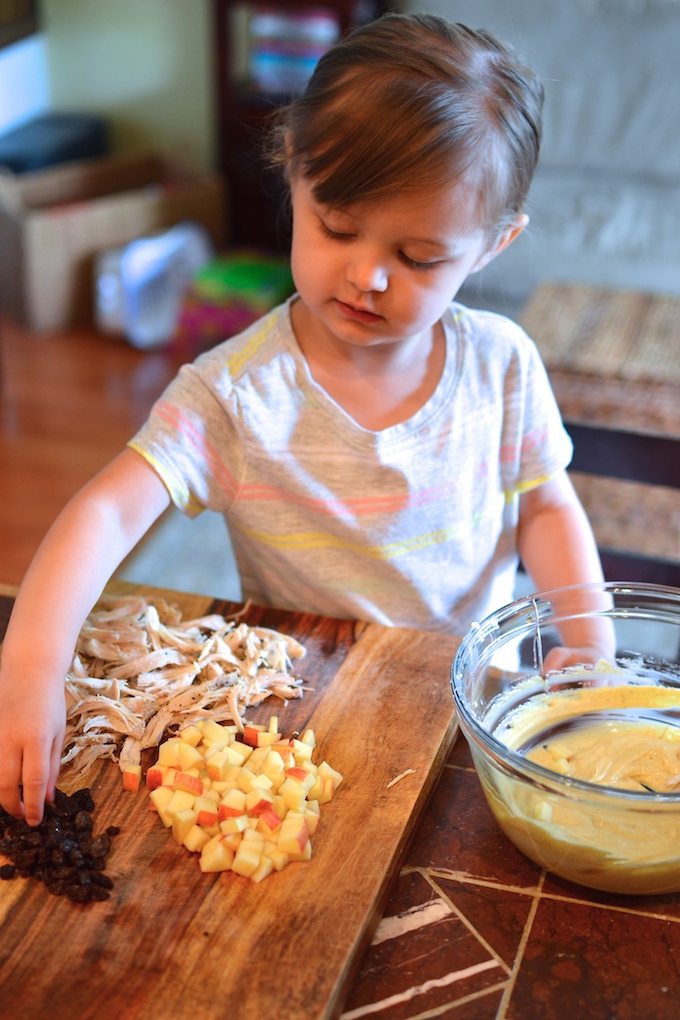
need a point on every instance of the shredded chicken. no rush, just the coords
(140, 671)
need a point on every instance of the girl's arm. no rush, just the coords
(557, 548)
(91, 536)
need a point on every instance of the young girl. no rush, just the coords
(378, 451)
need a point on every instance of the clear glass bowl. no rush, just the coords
(598, 835)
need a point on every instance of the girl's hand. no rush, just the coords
(91, 536)
(560, 657)
(32, 724)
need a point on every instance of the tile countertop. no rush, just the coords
(475, 931)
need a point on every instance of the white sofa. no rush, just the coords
(605, 201)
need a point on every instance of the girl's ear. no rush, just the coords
(506, 238)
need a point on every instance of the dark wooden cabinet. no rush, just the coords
(253, 42)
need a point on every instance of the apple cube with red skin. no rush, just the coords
(248, 805)
(258, 800)
(132, 777)
(188, 783)
(294, 833)
(207, 811)
(268, 821)
(232, 804)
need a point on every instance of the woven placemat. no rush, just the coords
(613, 356)
(631, 517)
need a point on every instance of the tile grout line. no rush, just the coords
(507, 994)
(432, 1014)
(464, 878)
(464, 920)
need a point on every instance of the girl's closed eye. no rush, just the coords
(414, 264)
(334, 235)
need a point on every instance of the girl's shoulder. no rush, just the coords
(485, 335)
(259, 345)
(481, 326)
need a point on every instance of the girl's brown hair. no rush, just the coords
(415, 102)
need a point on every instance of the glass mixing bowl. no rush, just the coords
(619, 835)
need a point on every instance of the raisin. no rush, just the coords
(100, 845)
(62, 851)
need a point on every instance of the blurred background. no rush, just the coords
(168, 97)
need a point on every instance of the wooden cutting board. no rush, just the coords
(172, 942)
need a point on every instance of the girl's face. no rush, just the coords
(384, 272)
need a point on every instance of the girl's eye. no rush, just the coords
(334, 235)
(417, 265)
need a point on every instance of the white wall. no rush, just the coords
(24, 86)
(147, 66)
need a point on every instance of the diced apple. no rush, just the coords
(169, 751)
(285, 750)
(308, 738)
(302, 775)
(264, 868)
(181, 800)
(325, 770)
(216, 856)
(232, 840)
(182, 822)
(257, 759)
(273, 763)
(207, 811)
(218, 764)
(251, 835)
(232, 804)
(191, 734)
(238, 823)
(154, 776)
(190, 757)
(246, 859)
(160, 798)
(278, 858)
(304, 855)
(196, 838)
(294, 794)
(250, 734)
(132, 777)
(245, 780)
(238, 752)
(313, 819)
(258, 800)
(169, 777)
(293, 834)
(301, 751)
(190, 784)
(268, 821)
(214, 734)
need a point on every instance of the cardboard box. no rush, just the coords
(53, 222)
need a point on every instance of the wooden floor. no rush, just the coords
(68, 404)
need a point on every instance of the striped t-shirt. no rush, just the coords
(411, 526)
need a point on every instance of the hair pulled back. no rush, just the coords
(411, 102)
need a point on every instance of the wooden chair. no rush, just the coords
(613, 358)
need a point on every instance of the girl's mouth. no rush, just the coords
(357, 314)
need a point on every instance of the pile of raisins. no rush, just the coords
(62, 851)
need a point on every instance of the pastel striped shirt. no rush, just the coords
(411, 526)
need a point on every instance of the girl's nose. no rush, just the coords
(367, 273)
